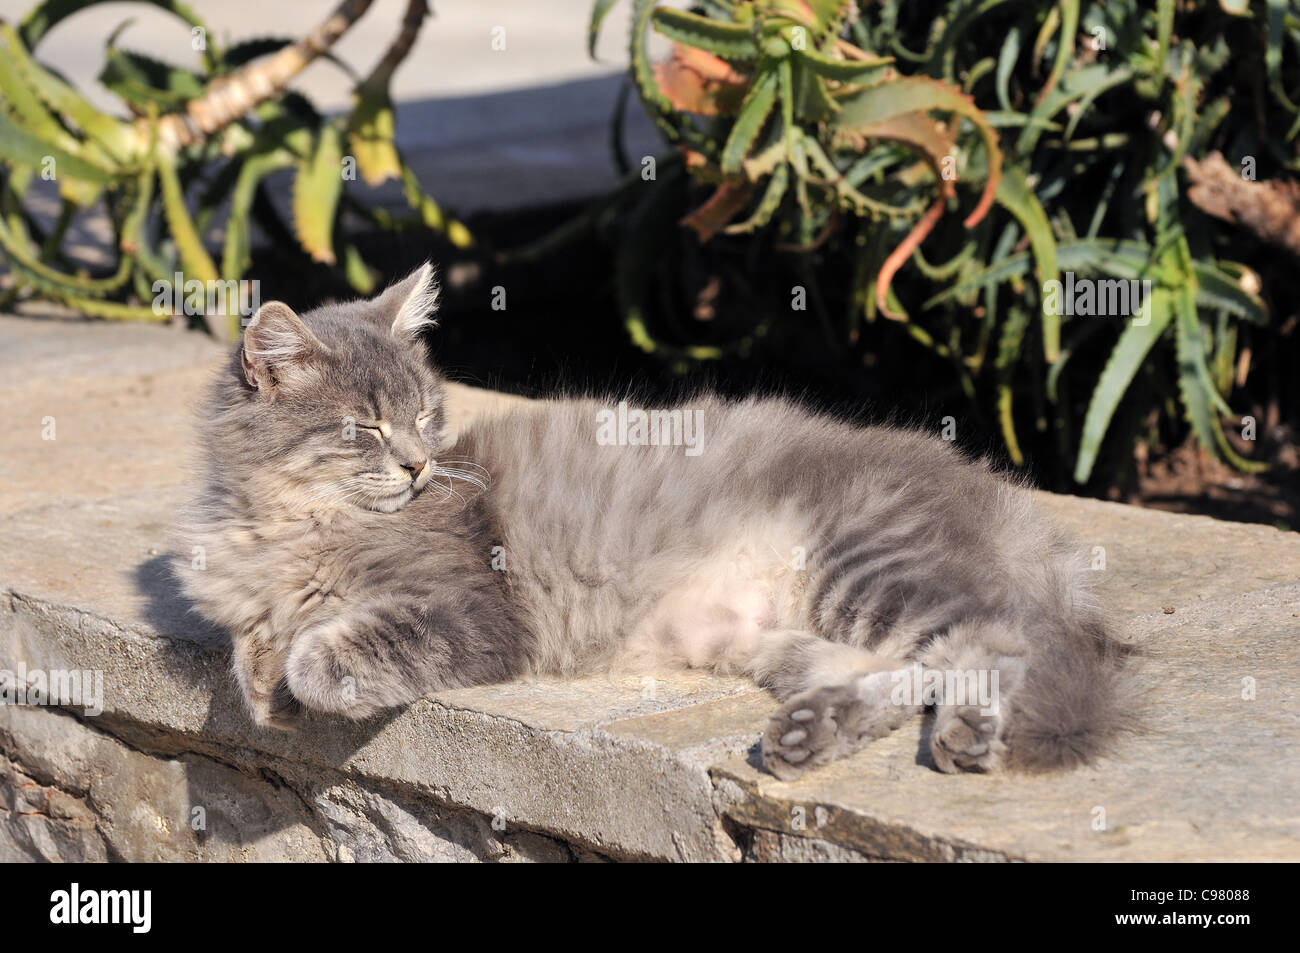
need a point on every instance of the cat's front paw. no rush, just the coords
(279, 720)
(279, 709)
(815, 728)
(965, 739)
(320, 670)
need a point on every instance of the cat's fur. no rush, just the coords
(824, 560)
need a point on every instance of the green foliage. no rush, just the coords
(851, 134)
(162, 200)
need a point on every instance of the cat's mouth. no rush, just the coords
(394, 501)
(391, 504)
(387, 494)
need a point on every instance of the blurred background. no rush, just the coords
(865, 204)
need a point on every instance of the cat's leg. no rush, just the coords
(838, 699)
(1050, 692)
(260, 672)
(389, 652)
(833, 721)
(976, 669)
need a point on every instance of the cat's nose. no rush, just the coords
(415, 469)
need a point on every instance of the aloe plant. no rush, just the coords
(198, 138)
(1028, 141)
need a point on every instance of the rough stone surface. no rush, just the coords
(651, 766)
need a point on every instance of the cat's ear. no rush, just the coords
(413, 301)
(277, 346)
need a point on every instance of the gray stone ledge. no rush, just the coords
(549, 770)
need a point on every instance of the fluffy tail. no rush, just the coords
(1078, 695)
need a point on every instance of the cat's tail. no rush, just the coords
(1078, 695)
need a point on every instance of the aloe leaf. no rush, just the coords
(37, 126)
(731, 41)
(430, 212)
(1110, 81)
(21, 148)
(921, 94)
(355, 270)
(1064, 45)
(372, 130)
(915, 130)
(753, 116)
(1223, 363)
(844, 71)
(27, 110)
(45, 16)
(828, 15)
(725, 203)
(1076, 87)
(1007, 57)
(111, 310)
(1201, 399)
(51, 279)
(1013, 333)
(767, 205)
(118, 141)
(1276, 36)
(1127, 357)
(1215, 287)
(194, 259)
(1018, 198)
(236, 253)
(316, 187)
(675, 126)
(140, 80)
(599, 10)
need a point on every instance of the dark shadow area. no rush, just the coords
(198, 656)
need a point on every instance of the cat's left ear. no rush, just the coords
(277, 348)
(414, 300)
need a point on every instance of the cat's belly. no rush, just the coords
(678, 597)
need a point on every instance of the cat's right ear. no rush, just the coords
(277, 346)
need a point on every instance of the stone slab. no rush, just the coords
(641, 766)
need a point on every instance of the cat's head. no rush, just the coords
(339, 407)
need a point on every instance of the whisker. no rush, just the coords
(460, 475)
(326, 493)
(468, 463)
(451, 492)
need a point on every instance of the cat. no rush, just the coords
(361, 558)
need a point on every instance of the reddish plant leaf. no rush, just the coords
(724, 205)
(902, 253)
(696, 81)
(917, 130)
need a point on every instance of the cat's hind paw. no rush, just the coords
(821, 725)
(965, 739)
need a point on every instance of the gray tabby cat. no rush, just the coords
(349, 549)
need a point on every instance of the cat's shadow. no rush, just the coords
(197, 653)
